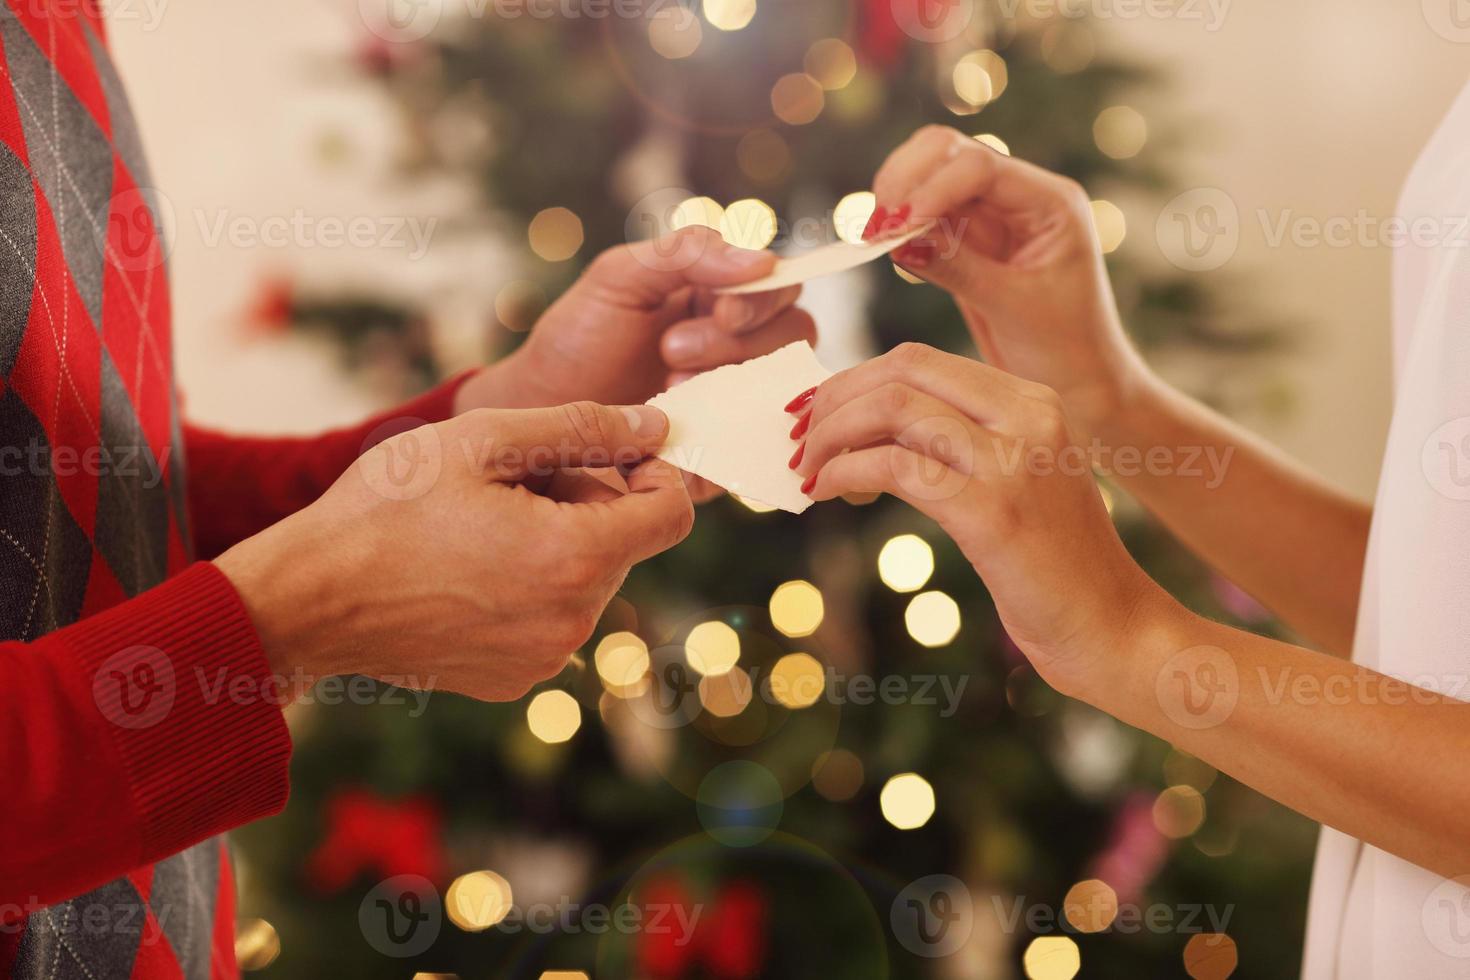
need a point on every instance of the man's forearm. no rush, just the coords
(1275, 529)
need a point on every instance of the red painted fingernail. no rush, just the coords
(796, 456)
(806, 487)
(801, 401)
(799, 429)
(875, 222)
(901, 216)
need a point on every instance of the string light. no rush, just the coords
(1052, 958)
(725, 695)
(837, 775)
(556, 234)
(1111, 226)
(832, 63)
(994, 142)
(703, 211)
(754, 506)
(797, 680)
(850, 217)
(749, 223)
(1091, 905)
(674, 32)
(729, 15)
(797, 99)
(797, 608)
(932, 618)
(905, 563)
(622, 663)
(1179, 811)
(478, 900)
(256, 944)
(1210, 956)
(553, 716)
(712, 648)
(907, 801)
(1120, 131)
(563, 975)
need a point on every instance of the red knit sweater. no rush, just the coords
(121, 761)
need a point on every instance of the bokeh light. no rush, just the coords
(729, 15)
(797, 99)
(1120, 131)
(797, 680)
(556, 234)
(1179, 811)
(674, 32)
(621, 660)
(995, 143)
(850, 217)
(702, 211)
(1112, 227)
(478, 900)
(749, 223)
(712, 648)
(1091, 905)
(554, 716)
(832, 63)
(932, 618)
(754, 506)
(907, 801)
(906, 563)
(1052, 958)
(726, 694)
(1210, 956)
(519, 304)
(256, 944)
(797, 608)
(837, 775)
(563, 975)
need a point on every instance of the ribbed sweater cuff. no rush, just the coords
(181, 680)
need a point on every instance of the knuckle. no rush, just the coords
(589, 421)
(911, 354)
(895, 397)
(935, 134)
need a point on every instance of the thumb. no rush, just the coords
(538, 442)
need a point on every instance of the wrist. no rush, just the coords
(507, 383)
(1151, 630)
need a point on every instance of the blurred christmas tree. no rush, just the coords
(719, 747)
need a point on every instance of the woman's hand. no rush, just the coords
(990, 457)
(1016, 247)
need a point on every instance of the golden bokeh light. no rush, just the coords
(725, 695)
(763, 155)
(906, 563)
(1179, 811)
(703, 211)
(674, 32)
(622, 663)
(932, 618)
(832, 63)
(478, 900)
(553, 716)
(907, 276)
(256, 944)
(797, 608)
(712, 648)
(563, 975)
(556, 234)
(729, 15)
(862, 100)
(1120, 132)
(907, 801)
(1210, 956)
(1181, 768)
(519, 304)
(797, 680)
(1091, 905)
(837, 775)
(980, 77)
(994, 142)
(754, 506)
(797, 99)
(749, 223)
(1052, 958)
(1111, 226)
(850, 217)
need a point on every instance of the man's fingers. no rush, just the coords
(530, 442)
(742, 314)
(696, 255)
(584, 486)
(653, 516)
(700, 344)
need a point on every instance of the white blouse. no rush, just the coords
(1373, 915)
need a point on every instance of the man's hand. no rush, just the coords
(475, 555)
(642, 317)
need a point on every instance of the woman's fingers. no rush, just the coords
(696, 345)
(894, 412)
(924, 483)
(940, 170)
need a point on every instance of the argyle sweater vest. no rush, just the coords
(120, 762)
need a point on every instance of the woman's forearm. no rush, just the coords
(1374, 757)
(1269, 525)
